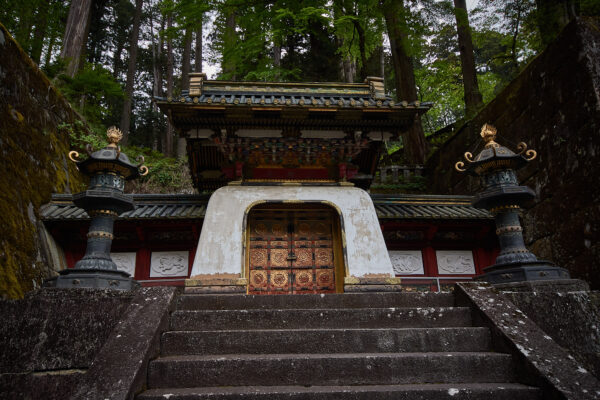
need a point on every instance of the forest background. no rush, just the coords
(111, 58)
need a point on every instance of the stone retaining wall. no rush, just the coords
(554, 106)
(34, 142)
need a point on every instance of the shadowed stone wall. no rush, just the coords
(50, 338)
(554, 106)
(33, 163)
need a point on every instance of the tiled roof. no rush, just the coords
(148, 206)
(369, 94)
(157, 206)
(408, 206)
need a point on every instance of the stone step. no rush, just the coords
(328, 369)
(332, 318)
(463, 391)
(326, 341)
(315, 301)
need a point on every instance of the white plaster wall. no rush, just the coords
(220, 249)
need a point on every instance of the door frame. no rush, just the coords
(340, 256)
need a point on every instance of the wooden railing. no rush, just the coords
(398, 173)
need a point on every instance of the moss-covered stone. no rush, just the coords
(33, 161)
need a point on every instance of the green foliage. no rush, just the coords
(167, 175)
(91, 90)
(80, 135)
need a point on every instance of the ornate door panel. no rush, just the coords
(269, 251)
(312, 244)
(291, 252)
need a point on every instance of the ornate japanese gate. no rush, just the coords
(293, 251)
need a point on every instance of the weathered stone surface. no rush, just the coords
(34, 142)
(549, 286)
(554, 106)
(570, 318)
(439, 391)
(119, 369)
(55, 329)
(371, 288)
(329, 346)
(381, 340)
(329, 369)
(317, 301)
(220, 289)
(50, 385)
(539, 360)
(50, 338)
(321, 318)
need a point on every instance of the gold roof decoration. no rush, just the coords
(114, 136)
(488, 133)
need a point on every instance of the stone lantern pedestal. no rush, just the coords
(104, 201)
(503, 197)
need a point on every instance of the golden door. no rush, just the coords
(291, 251)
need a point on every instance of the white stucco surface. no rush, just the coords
(220, 248)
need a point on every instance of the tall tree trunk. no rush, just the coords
(277, 60)
(229, 43)
(553, 15)
(415, 145)
(117, 65)
(362, 47)
(157, 47)
(473, 99)
(48, 55)
(198, 51)
(513, 47)
(382, 61)
(186, 60)
(76, 34)
(168, 150)
(97, 32)
(39, 32)
(133, 49)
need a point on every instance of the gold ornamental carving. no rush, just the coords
(258, 257)
(279, 257)
(304, 278)
(278, 230)
(323, 257)
(488, 133)
(114, 136)
(258, 278)
(279, 279)
(324, 277)
(303, 229)
(260, 229)
(305, 258)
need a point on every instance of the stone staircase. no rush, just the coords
(337, 346)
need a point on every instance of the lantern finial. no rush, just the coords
(114, 135)
(488, 133)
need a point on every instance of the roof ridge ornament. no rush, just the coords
(376, 87)
(196, 83)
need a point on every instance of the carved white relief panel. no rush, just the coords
(407, 262)
(455, 262)
(125, 261)
(169, 263)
